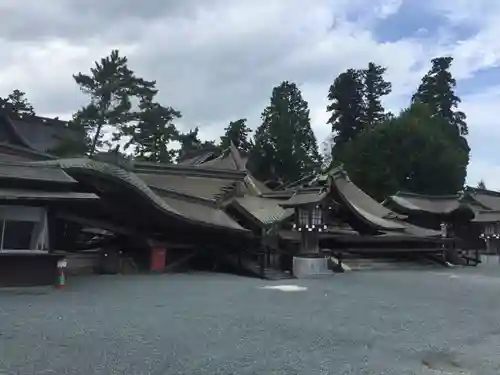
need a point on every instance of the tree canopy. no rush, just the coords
(285, 145)
(190, 143)
(346, 108)
(111, 87)
(356, 103)
(410, 152)
(237, 132)
(154, 132)
(423, 149)
(17, 102)
(437, 91)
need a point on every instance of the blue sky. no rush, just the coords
(218, 60)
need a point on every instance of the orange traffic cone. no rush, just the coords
(61, 280)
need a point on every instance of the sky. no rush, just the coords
(218, 60)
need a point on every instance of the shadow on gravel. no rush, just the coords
(27, 291)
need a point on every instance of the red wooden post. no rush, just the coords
(158, 259)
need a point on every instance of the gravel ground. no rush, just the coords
(396, 322)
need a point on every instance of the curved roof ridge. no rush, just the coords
(402, 193)
(133, 181)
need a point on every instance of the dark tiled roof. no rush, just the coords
(360, 201)
(198, 159)
(12, 158)
(265, 211)
(40, 133)
(195, 181)
(445, 204)
(12, 152)
(487, 216)
(305, 197)
(370, 211)
(279, 194)
(194, 213)
(38, 195)
(231, 160)
(26, 171)
(203, 213)
(208, 188)
(486, 198)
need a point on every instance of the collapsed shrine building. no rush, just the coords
(207, 208)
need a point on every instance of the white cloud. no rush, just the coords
(218, 60)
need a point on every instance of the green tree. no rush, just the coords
(153, 132)
(411, 152)
(375, 87)
(111, 86)
(285, 145)
(481, 185)
(238, 133)
(190, 142)
(437, 91)
(17, 102)
(76, 145)
(347, 109)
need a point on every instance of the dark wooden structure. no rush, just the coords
(310, 206)
(206, 207)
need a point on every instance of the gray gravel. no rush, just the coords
(396, 322)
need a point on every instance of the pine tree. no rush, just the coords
(237, 132)
(437, 91)
(153, 132)
(346, 108)
(285, 145)
(375, 87)
(17, 102)
(111, 85)
(481, 185)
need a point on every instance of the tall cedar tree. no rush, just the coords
(153, 132)
(190, 143)
(437, 91)
(346, 108)
(237, 132)
(111, 86)
(17, 102)
(285, 145)
(410, 152)
(375, 87)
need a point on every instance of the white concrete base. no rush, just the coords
(490, 260)
(310, 267)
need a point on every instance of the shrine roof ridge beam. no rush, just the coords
(184, 196)
(426, 196)
(194, 171)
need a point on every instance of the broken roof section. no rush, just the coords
(203, 183)
(366, 214)
(485, 203)
(436, 205)
(263, 212)
(181, 207)
(231, 159)
(306, 197)
(39, 134)
(26, 183)
(487, 199)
